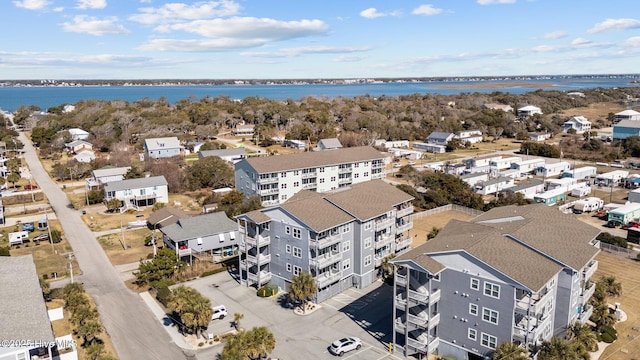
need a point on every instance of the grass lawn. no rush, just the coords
(135, 248)
(108, 221)
(594, 111)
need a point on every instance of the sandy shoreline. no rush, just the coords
(496, 85)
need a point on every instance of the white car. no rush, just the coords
(219, 312)
(411, 163)
(344, 345)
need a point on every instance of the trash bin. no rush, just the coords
(54, 275)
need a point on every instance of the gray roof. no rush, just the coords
(526, 185)
(139, 183)
(498, 180)
(110, 171)
(313, 159)
(166, 216)
(78, 142)
(368, 199)
(162, 143)
(439, 135)
(634, 124)
(222, 152)
(332, 143)
(314, 211)
(22, 308)
(199, 226)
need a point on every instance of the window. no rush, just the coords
(333, 178)
(473, 309)
(346, 246)
(346, 228)
(356, 175)
(366, 174)
(367, 260)
(489, 315)
(283, 186)
(368, 225)
(297, 233)
(346, 264)
(489, 341)
(296, 184)
(297, 252)
(296, 172)
(265, 226)
(475, 284)
(287, 249)
(321, 169)
(367, 243)
(287, 230)
(472, 334)
(283, 174)
(296, 270)
(356, 165)
(322, 181)
(283, 197)
(288, 267)
(492, 290)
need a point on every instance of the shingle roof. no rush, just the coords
(369, 199)
(22, 308)
(199, 226)
(314, 211)
(526, 185)
(162, 143)
(332, 143)
(634, 124)
(313, 159)
(110, 171)
(628, 112)
(166, 216)
(139, 183)
(439, 135)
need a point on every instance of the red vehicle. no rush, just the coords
(30, 187)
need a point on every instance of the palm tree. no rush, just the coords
(602, 316)
(584, 335)
(193, 308)
(236, 320)
(557, 349)
(510, 351)
(264, 341)
(302, 288)
(612, 287)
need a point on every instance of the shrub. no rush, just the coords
(56, 236)
(606, 337)
(214, 271)
(267, 290)
(609, 330)
(4, 251)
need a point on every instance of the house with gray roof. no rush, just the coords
(625, 128)
(163, 147)
(138, 192)
(23, 311)
(329, 144)
(341, 237)
(439, 138)
(212, 234)
(518, 274)
(229, 155)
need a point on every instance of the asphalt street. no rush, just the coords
(133, 329)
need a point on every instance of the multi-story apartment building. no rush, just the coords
(517, 274)
(341, 238)
(277, 178)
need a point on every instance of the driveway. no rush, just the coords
(135, 332)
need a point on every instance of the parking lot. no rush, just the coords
(364, 313)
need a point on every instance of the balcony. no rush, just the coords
(588, 292)
(264, 277)
(402, 228)
(308, 175)
(528, 304)
(258, 240)
(325, 241)
(401, 302)
(309, 186)
(586, 313)
(403, 243)
(383, 241)
(327, 278)
(420, 346)
(260, 259)
(379, 259)
(590, 269)
(346, 180)
(404, 212)
(184, 252)
(383, 224)
(377, 164)
(325, 260)
(269, 180)
(270, 202)
(242, 246)
(345, 170)
(271, 191)
(401, 280)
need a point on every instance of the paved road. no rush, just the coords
(134, 330)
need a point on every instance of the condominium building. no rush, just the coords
(517, 274)
(341, 238)
(277, 178)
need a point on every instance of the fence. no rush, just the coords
(448, 207)
(619, 251)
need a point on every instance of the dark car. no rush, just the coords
(613, 223)
(30, 187)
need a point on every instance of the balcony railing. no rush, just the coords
(269, 180)
(383, 224)
(270, 202)
(308, 186)
(590, 270)
(327, 278)
(346, 180)
(262, 278)
(242, 246)
(405, 211)
(377, 164)
(325, 260)
(259, 259)
(401, 280)
(184, 252)
(308, 175)
(401, 302)
(325, 241)
(344, 170)
(588, 292)
(533, 304)
(403, 243)
(420, 346)
(402, 228)
(435, 296)
(270, 191)
(383, 241)
(258, 240)
(434, 321)
(587, 311)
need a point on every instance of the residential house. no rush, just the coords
(554, 169)
(539, 136)
(495, 106)
(228, 155)
(77, 145)
(528, 166)
(473, 178)
(23, 311)
(296, 144)
(84, 156)
(528, 189)
(105, 174)
(625, 128)
(528, 111)
(432, 148)
(165, 216)
(193, 147)
(406, 153)
(458, 294)
(78, 134)
(403, 144)
(329, 144)
(493, 186)
(243, 130)
(480, 161)
(138, 192)
(470, 136)
(212, 234)
(439, 138)
(277, 178)
(163, 147)
(504, 163)
(628, 114)
(455, 169)
(341, 238)
(579, 123)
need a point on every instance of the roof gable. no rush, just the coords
(200, 226)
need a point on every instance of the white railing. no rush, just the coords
(325, 260)
(345, 180)
(405, 227)
(383, 224)
(260, 259)
(534, 305)
(587, 293)
(344, 170)
(590, 270)
(184, 252)
(403, 212)
(268, 191)
(269, 180)
(270, 202)
(401, 302)
(420, 321)
(435, 296)
(404, 243)
(325, 241)
(262, 278)
(401, 280)
(586, 313)
(309, 186)
(434, 321)
(383, 241)
(258, 240)
(418, 296)
(308, 175)
(327, 278)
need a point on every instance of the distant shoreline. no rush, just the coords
(495, 85)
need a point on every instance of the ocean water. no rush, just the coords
(11, 98)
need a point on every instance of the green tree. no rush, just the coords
(263, 340)
(89, 330)
(56, 236)
(584, 335)
(558, 349)
(433, 233)
(113, 204)
(74, 297)
(302, 288)
(84, 313)
(40, 135)
(193, 308)
(45, 287)
(248, 345)
(161, 268)
(210, 171)
(13, 178)
(236, 320)
(134, 173)
(612, 287)
(95, 196)
(510, 351)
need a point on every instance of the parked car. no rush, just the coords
(219, 312)
(344, 345)
(28, 227)
(41, 237)
(411, 163)
(30, 187)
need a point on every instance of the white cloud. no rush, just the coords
(175, 12)
(615, 24)
(491, 2)
(427, 9)
(371, 13)
(32, 4)
(555, 35)
(91, 4)
(209, 45)
(349, 58)
(91, 25)
(256, 29)
(580, 42)
(633, 41)
(305, 50)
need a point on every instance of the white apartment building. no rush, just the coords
(277, 178)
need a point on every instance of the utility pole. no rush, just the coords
(46, 218)
(69, 257)
(124, 245)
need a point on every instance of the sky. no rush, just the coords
(311, 39)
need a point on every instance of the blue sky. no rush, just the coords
(249, 39)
